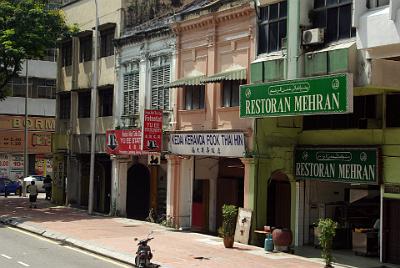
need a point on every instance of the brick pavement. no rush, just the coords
(115, 236)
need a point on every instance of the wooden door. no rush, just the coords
(200, 205)
(391, 231)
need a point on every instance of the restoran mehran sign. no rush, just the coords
(352, 165)
(229, 144)
(331, 94)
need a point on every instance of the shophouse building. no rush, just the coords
(323, 90)
(145, 64)
(74, 82)
(208, 146)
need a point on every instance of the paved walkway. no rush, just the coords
(114, 237)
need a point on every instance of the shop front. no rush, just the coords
(210, 173)
(343, 184)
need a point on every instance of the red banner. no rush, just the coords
(152, 130)
(124, 141)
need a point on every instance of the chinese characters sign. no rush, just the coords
(354, 165)
(152, 130)
(213, 144)
(13, 141)
(124, 141)
(315, 95)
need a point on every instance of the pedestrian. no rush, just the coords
(33, 192)
(47, 186)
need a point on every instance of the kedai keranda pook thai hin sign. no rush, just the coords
(229, 144)
(352, 165)
(332, 94)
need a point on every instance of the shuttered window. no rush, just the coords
(160, 95)
(131, 93)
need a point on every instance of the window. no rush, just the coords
(159, 94)
(364, 109)
(272, 28)
(84, 104)
(38, 87)
(131, 93)
(66, 53)
(194, 97)
(46, 88)
(230, 93)
(106, 102)
(335, 17)
(85, 49)
(392, 110)
(377, 3)
(107, 46)
(65, 106)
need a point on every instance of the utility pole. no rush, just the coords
(93, 116)
(26, 131)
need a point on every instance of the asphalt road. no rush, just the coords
(21, 249)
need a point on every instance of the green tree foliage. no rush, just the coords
(27, 29)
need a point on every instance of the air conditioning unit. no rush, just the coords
(313, 36)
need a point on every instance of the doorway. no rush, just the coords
(138, 192)
(279, 201)
(391, 231)
(200, 205)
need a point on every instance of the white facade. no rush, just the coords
(136, 63)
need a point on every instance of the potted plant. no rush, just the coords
(327, 231)
(227, 230)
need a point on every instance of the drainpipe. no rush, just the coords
(292, 73)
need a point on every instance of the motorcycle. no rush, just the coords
(143, 253)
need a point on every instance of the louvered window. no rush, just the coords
(131, 93)
(160, 95)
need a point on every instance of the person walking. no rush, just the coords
(33, 192)
(47, 186)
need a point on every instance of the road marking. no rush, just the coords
(33, 235)
(24, 264)
(69, 247)
(97, 256)
(5, 256)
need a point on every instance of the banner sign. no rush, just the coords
(331, 94)
(230, 144)
(124, 142)
(152, 130)
(352, 165)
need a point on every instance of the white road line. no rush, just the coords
(5, 256)
(24, 264)
(97, 256)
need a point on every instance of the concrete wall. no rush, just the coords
(40, 107)
(40, 69)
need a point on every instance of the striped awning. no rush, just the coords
(239, 74)
(187, 81)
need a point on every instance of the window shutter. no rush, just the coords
(131, 93)
(159, 94)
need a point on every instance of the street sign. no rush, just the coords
(330, 94)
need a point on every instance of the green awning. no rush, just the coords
(187, 81)
(239, 74)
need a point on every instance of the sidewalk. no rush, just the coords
(114, 237)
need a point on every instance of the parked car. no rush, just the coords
(38, 182)
(11, 186)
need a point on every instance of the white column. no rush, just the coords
(114, 185)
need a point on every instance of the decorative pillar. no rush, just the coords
(173, 163)
(249, 189)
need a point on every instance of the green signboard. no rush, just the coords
(352, 165)
(330, 94)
